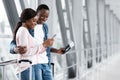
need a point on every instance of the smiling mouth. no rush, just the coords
(42, 21)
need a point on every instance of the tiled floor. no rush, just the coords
(110, 70)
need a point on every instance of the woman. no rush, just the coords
(28, 20)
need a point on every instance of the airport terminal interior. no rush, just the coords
(92, 25)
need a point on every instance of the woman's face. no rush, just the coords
(31, 22)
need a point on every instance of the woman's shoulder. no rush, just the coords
(22, 30)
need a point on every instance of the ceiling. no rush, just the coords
(115, 6)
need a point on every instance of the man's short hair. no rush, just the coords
(42, 6)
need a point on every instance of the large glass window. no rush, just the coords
(5, 32)
(5, 38)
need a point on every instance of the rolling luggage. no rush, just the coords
(30, 68)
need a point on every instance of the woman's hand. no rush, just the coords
(48, 42)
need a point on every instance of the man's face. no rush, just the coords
(42, 16)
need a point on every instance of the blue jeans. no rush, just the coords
(39, 72)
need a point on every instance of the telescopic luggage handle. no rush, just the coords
(25, 60)
(29, 61)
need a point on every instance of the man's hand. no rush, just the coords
(20, 49)
(60, 51)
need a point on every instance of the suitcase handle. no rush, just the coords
(25, 60)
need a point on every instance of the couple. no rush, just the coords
(31, 42)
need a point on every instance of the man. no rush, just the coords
(43, 69)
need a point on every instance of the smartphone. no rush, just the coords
(54, 36)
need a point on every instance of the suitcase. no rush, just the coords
(30, 68)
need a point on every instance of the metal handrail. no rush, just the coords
(4, 63)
